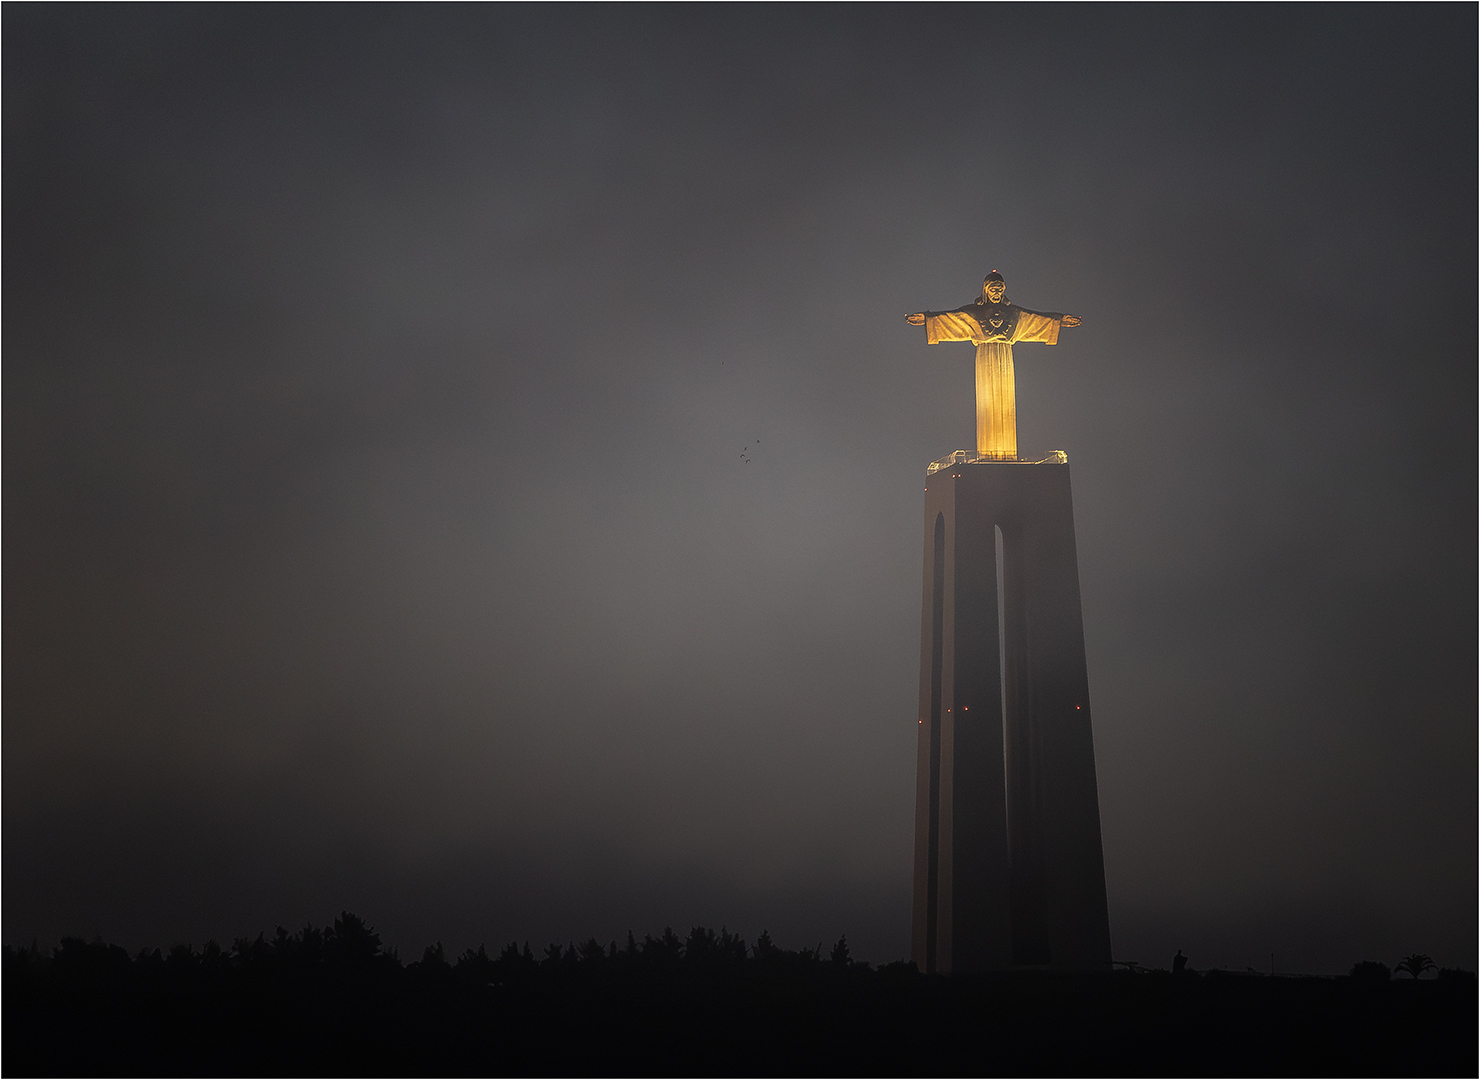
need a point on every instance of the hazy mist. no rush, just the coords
(465, 465)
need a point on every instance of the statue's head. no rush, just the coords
(994, 288)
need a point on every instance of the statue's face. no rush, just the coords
(995, 290)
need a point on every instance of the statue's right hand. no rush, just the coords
(917, 319)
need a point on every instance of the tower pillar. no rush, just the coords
(1009, 868)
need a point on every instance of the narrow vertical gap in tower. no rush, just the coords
(1002, 648)
(937, 657)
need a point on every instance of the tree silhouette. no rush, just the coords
(840, 951)
(1416, 964)
(764, 946)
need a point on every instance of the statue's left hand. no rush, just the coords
(1071, 320)
(917, 319)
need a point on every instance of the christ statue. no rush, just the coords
(993, 323)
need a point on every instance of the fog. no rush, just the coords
(465, 465)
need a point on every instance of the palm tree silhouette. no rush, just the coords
(1416, 964)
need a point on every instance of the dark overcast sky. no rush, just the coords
(376, 531)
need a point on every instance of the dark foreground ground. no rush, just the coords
(331, 1002)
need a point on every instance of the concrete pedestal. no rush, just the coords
(1009, 871)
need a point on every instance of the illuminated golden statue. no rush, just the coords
(993, 323)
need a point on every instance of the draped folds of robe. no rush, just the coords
(994, 328)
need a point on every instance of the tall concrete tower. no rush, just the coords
(1009, 870)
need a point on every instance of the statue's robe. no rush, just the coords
(994, 328)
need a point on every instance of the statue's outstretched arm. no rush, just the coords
(919, 317)
(1064, 320)
(946, 326)
(1041, 326)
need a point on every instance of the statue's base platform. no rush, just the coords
(968, 457)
